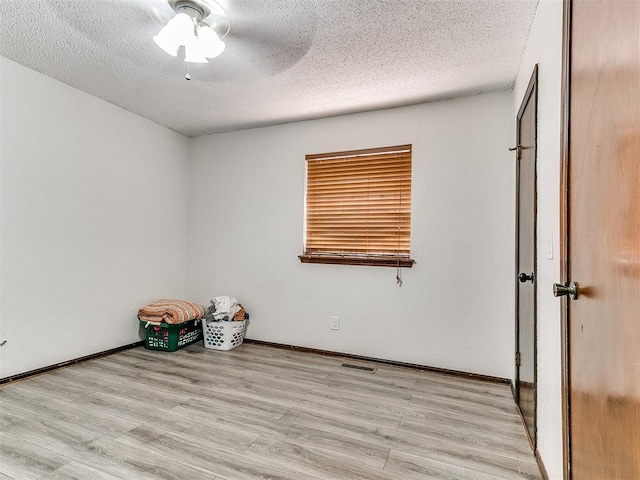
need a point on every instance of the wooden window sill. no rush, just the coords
(346, 260)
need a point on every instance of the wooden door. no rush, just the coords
(603, 239)
(526, 256)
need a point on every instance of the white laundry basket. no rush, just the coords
(223, 335)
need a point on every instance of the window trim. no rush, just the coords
(378, 261)
(401, 260)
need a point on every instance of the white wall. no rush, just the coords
(544, 47)
(93, 202)
(455, 309)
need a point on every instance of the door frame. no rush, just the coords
(531, 94)
(564, 235)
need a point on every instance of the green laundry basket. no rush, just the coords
(169, 338)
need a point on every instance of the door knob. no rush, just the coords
(523, 277)
(570, 289)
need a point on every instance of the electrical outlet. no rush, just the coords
(335, 323)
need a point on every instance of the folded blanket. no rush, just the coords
(170, 311)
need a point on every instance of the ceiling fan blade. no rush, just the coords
(266, 38)
(159, 11)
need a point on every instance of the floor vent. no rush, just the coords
(358, 367)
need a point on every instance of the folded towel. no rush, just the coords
(170, 311)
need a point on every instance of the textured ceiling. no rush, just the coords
(286, 60)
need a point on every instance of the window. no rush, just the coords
(358, 207)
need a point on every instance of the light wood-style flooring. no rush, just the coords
(256, 412)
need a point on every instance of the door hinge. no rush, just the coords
(517, 359)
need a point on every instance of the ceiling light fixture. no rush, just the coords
(199, 26)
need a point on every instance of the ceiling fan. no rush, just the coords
(261, 38)
(199, 26)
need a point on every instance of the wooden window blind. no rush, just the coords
(358, 207)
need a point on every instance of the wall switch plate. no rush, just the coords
(335, 323)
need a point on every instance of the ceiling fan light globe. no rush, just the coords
(166, 42)
(194, 53)
(215, 50)
(210, 43)
(181, 28)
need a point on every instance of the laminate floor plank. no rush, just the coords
(52, 434)
(278, 393)
(457, 406)
(219, 372)
(349, 415)
(232, 418)
(317, 462)
(472, 436)
(416, 467)
(8, 416)
(427, 380)
(146, 433)
(225, 364)
(22, 460)
(255, 413)
(144, 462)
(358, 449)
(134, 388)
(428, 444)
(247, 405)
(490, 399)
(389, 378)
(134, 411)
(220, 375)
(53, 388)
(264, 352)
(343, 399)
(400, 395)
(24, 404)
(78, 471)
(338, 423)
(197, 426)
(17, 403)
(490, 421)
(202, 452)
(371, 381)
(355, 432)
